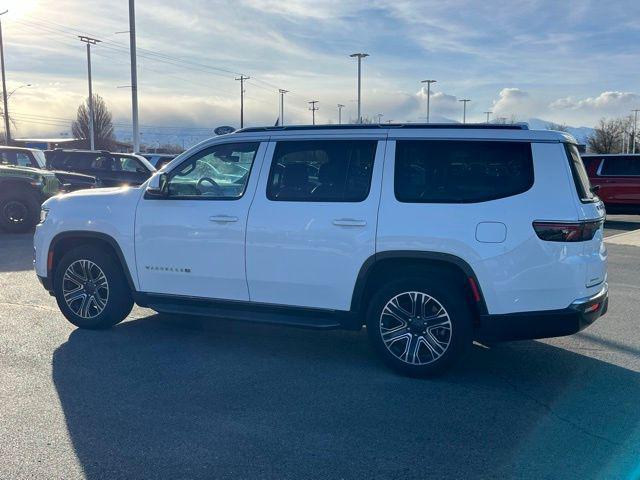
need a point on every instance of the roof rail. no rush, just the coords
(453, 126)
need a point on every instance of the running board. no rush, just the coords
(246, 311)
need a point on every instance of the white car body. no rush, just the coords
(313, 255)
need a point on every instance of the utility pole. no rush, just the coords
(487, 114)
(340, 107)
(282, 92)
(379, 115)
(464, 109)
(635, 123)
(359, 56)
(5, 98)
(242, 78)
(90, 41)
(428, 82)
(313, 109)
(134, 76)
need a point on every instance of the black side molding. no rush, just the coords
(314, 318)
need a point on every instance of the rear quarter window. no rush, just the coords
(461, 171)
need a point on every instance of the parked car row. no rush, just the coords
(30, 176)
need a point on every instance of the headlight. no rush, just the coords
(43, 214)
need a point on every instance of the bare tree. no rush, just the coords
(609, 135)
(104, 138)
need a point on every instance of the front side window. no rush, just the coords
(461, 171)
(620, 166)
(218, 172)
(321, 171)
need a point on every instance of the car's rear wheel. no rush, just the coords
(91, 289)
(19, 212)
(419, 326)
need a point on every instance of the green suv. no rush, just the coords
(22, 191)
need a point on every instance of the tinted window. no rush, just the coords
(218, 172)
(72, 161)
(321, 171)
(444, 171)
(621, 166)
(21, 159)
(580, 177)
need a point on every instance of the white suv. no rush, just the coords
(430, 235)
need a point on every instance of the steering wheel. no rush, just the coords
(216, 188)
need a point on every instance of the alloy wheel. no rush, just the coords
(85, 289)
(415, 328)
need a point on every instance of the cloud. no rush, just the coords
(607, 103)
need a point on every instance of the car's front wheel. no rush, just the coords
(19, 211)
(419, 326)
(91, 289)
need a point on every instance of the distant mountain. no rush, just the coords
(580, 133)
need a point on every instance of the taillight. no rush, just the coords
(567, 231)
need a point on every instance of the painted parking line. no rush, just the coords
(627, 238)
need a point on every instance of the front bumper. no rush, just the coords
(544, 324)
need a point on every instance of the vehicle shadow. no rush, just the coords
(622, 225)
(16, 251)
(173, 397)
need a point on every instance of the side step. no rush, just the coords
(245, 311)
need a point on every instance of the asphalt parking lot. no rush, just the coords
(171, 397)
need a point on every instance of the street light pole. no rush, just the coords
(359, 56)
(379, 115)
(464, 109)
(635, 123)
(487, 114)
(242, 78)
(5, 97)
(340, 107)
(282, 92)
(90, 41)
(134, 76)
(313, 109)
(428, 82)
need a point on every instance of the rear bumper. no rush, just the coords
(544, 324)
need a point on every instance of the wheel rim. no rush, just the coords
(85, 289)
(15, 212)
(415, 328)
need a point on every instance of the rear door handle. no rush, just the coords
(349, 222)
(223, 219)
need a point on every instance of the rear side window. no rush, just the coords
(579, 173)
(321, 171)
(621, 166)
(460, 171)
(70, 161)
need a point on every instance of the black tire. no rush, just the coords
(119, 301)
(432, 357)
(19, 211)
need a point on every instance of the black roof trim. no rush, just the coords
(452, 126)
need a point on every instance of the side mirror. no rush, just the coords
(595, 189)
(157, 186)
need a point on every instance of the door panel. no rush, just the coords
(305, 244)
(192, 243)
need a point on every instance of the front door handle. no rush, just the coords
(223, 219)
(349, 222)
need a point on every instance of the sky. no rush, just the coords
(565, 62)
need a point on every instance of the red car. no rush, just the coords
(618, 179)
